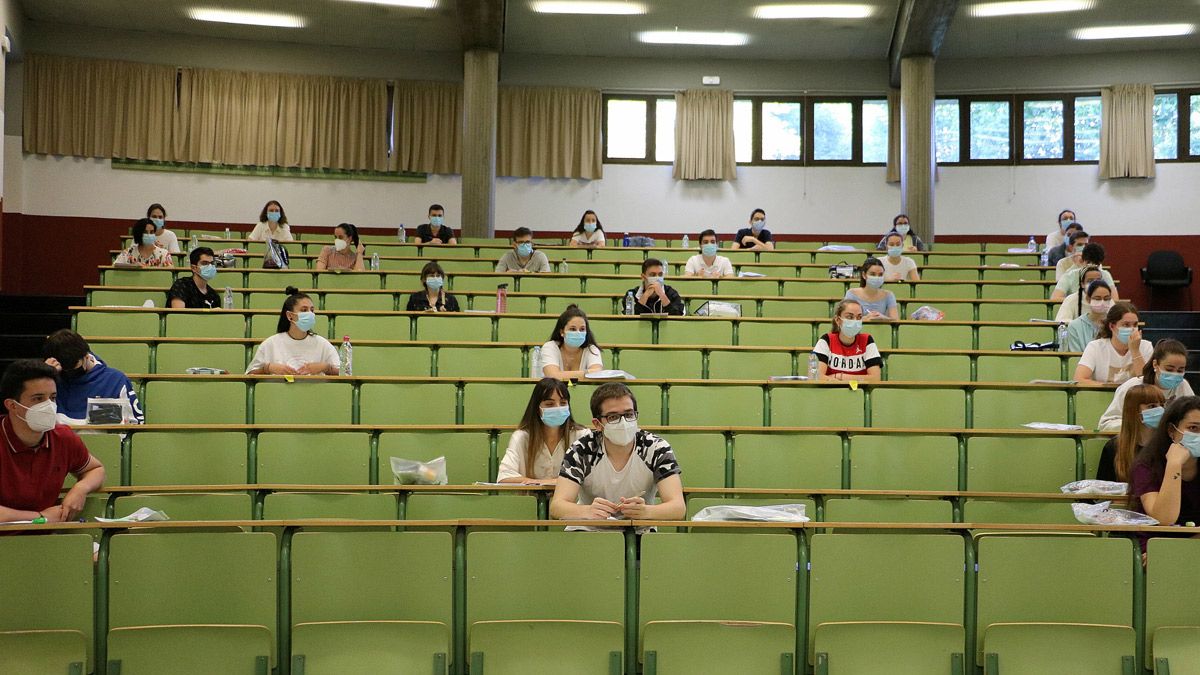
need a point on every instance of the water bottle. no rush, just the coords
(346, 356)
(375, 261)
(1033, 244)
(629, 303)
(400, 233)
(562, 267)
(228, 234)
(1062, 337)
(535, 362)
(1045, 258)
(195, 244)
(813, 370)
(502, 298)
(228, 304)
(686, 242)
(625, 241)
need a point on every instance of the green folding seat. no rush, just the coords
(903, 462)
(901, 595)
(174, 358)
(701, 455)
(47, 590)
(749, 365)
(918, 408)
(953, 290)
(195, 402)
(486, 302)
(127, 357)
(954, 258)
(888, 510)
(314, 457)
(789, 461)
(130, 277)
(1019, 464)
(1093, 448)
(112, 298)
(938, 274)
(623, 331)
(342, 623)
(406, 403)
(470, 282)
(941, 246)
(1001, 291)
(787, 309)
(436, 252)
(931, 336)
(265, 325)
(661, 363)
(466, 452)
(806, 405)
(279, 280)
(117, 324)
(268, 299)
(777, 334)
(928, 367)
(1018, 367)
(308, 402)
(479, 362)
(1010, 408)
(429, 506)
(1037, 613)
(953, 310)
(1090, 405)
(1018, 511)
(1011, 274)
(371, 327)
(530, 283)
(188, 458)
(1002, 337)
(542, 634)
(394, 361)
(693, 620)
(192, 603)
(348, 280)
(330, 505)
(407, 282)
(831, 288)
(189, 505)
(1023, 311)
(371, 302)
(616, 287)
(695, 331)
(556, 304)
(105, 447)
(697, 504)
(205, 325)
(534, 330)
(496, 403)
(715, 405)
(636, 255)
(1172, 621)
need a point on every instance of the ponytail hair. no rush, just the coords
(293, 296)
(1164, 348)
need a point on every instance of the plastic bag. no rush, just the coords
(142, 515)
(927, 313)
(1096, 487)
(778, 513)
(110, 410)
(410, 472)
(276, 256)
(1101, 514)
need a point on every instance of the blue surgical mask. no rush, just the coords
(1123, 334)
(1065, 223)
(1079, 248)
(273, 216)
(1169, 381)
(708, 249)
(575, 338)
(851, 327)
(654, 280)
(436, 221)
(903, 229)
(159, 223)
(555, 417)
(525, 249)
(875, 282)
(208, 272)
(434, 283)
(148, 239)
(306, 320)
(1191, 441)
(589, 227)
(1151, 416)
(757, 225)
(895, 251)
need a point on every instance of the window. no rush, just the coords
(946, 130)
(1166, 126)
(625, 129)
(989, 130)
(664, 130)
(1194, 125)
(1087, 128)
(1042, 129)
(833, 131)
(875, 131)
(782, 133)
(743, 130)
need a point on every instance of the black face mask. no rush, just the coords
(73, 373)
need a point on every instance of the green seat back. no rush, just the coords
(425, 506)
(1018, 368)
(732, 365)
(816, 406)
(451, 328)
(714, 405)
(348, 280)
(188, 458)
(377, 360)
(1167, 561)
(902, 462)
(787, 461)
(1090, 405)
(1018, 511)
(143, 277)
(367, 327)
(311, 402)
(661, 363)
(555, 304)
(928, 367)
(695, 331)
(853, 510)
(205, 324)
(999, 464)
(375, 302)
(197, 402)
(933, 336)
(31, 603)
(339, 505)
(918, 408)
(830, 288)
(775, 334)
(999, 291)
(114, 324)
(466, 453)
(1024, 311)
(105, 447)
(189, 505)
(526, 329)
(1005, 409)
(314, 457)
(701, 455)
(899, 648)
(383, 403)
(127, 357)
(496, 403)
(279, 280)
(174, 358)
(786, 309)
(479, 362)
(958, 291)
(1002, 337)
(622, 331)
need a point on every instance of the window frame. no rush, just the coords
(964, 129)
(862, 101)
(855, 134)
(1183, 109)
(756, 130)
(1068, 128)
(651, 101)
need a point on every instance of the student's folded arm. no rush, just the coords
(562, 504)
(673, 506)
(595, 367)
(873, 374)
(894, 313)
(768, 246)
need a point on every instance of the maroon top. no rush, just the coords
(31, 478)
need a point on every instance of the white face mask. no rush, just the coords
(621, 432)
(41, 417)
(340, 244)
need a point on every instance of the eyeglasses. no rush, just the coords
(613, 418)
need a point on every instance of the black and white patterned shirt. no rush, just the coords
(587, 464)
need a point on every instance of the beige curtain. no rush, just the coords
(704, 135)
(427, 127)
(92, 108)
(893, 158)
(1127, 131)
(549, 132)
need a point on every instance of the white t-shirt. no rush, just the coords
(1109, 366)
(1063, 266)
(587, 463)
(594, 239)
(1055, 238)
(283, 348)
(168, 240)
(1111, 419)
(545, 465)
(696, 267)
(262, 230)
(1068, 311)
(552, 355)
(899, 270)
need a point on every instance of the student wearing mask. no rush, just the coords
(900, 226)
(144, 251)
(847, 353)
(1075, 303)
(522, 257)
(1165, 372)
(436, 231)
(756, 237)
(1085, 327)
(571, 352)
(294, 349)
(194, 292)
(707, 263)
(618, 470)
(654, 296)
(877, 304)
(272, 224)
(1056, 238)
(1143, 408)
(1164, 484)
(82, 375)
(1077, 240)
(589, 233)
(38, 453)
(165, 238)
(433, 297)
(896, 265)
(1061, 251)
(346, 253)
(1118, 352)
(1091, 256)
(535, 450)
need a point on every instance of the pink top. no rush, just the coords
(342, 260)
(159, 257)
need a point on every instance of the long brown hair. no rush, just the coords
(837, 312)
(1115, 313)
(1129, 440)
(531, 421)
(1165, 347)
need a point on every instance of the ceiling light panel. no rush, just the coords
(246, 18)
(989, 9)
(693, 37)
(1123, 32)
(567, 7)
(418, 4)
(814, 11)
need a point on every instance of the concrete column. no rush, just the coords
(481, 71)
(917, 160)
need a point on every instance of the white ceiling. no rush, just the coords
(356, 24)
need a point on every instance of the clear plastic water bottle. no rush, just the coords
(195, 243)
(535, 362)
(1044, 260)
(813, 369)
(1033, 244)
(1062, 337)
(228, 234)
(563, 267)
(228, 304)
(625, 241)
(502, 299)
(400, 235)
(687, 243)
(629, 303)
(346, 356)
(375, 261)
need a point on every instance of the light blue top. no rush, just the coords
(883, 305)
(1080, 332)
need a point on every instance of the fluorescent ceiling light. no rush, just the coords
(1029, 7)
(693, 37)
(565, 7)
(248, 18)
(813, 11)
(419, 4)
(1116, 32)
